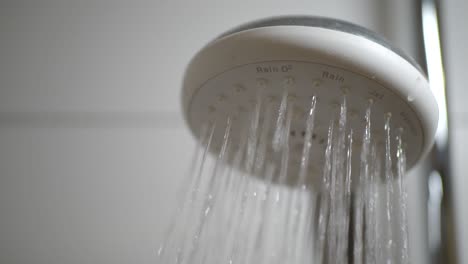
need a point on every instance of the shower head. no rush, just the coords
(305, 57)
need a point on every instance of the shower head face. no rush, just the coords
(279, 61)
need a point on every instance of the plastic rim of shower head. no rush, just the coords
(319, 56)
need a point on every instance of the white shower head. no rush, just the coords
(309, 56)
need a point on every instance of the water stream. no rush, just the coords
(254, 202)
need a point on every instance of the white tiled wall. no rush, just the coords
(87, 195)
(124, 56)
(456, 57)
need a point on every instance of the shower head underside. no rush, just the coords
(294, 59)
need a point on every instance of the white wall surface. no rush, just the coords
(456, 57)
(92, 143)
(123, 56)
